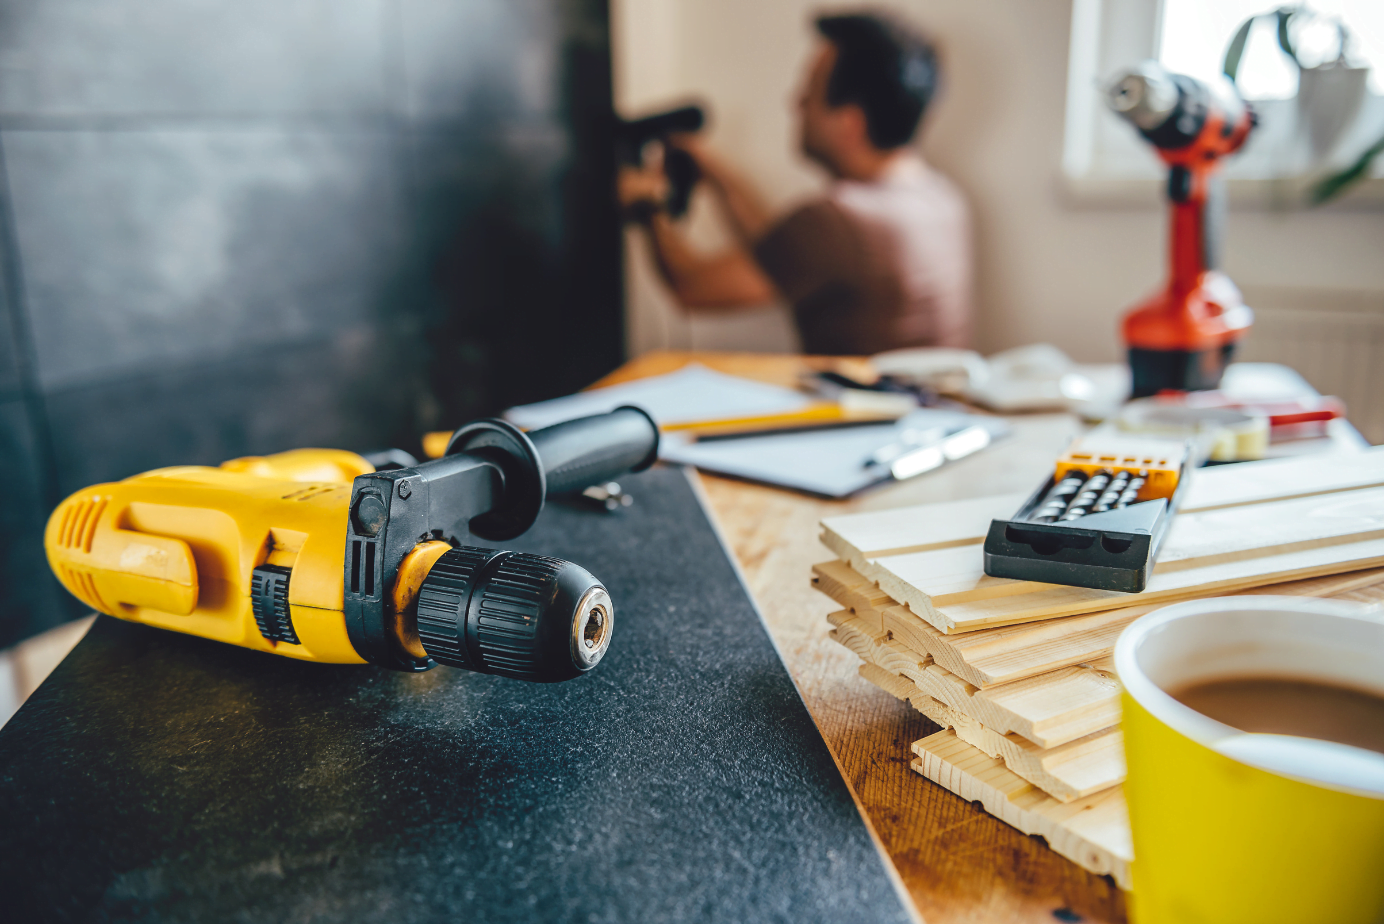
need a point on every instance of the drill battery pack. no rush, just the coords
(1098, 521)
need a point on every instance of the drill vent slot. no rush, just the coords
(370, 569)
(355, 567)
(269, 599)
(79, 523)
(363, 565)
(83, 587)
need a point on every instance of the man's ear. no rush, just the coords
(854, 125)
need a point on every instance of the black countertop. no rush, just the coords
(156, 776)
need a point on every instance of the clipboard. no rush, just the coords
(827, 463)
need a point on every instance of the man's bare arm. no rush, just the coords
(727, 280)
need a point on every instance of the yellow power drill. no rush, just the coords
(314, 554)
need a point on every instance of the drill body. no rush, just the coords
(178, 548)
(315, 555)
(1183, 336)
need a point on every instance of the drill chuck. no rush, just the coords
(1145, 95)
(511, 613)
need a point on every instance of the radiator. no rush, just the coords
(1335, 340)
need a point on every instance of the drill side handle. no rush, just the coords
(565, 457)
(492, 484)
(579, 453)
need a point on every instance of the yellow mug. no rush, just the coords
(1233, 827)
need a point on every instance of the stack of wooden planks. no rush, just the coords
(1018, 674)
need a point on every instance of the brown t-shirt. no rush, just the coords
(876, 266)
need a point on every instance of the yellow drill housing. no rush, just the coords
(176, 548)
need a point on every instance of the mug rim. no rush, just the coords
(1183, 719)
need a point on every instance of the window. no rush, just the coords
(1102, 153)
(1194, 35)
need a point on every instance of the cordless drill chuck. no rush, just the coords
(1148, 96)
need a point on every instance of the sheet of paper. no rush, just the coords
(693, 393)
(827, 463)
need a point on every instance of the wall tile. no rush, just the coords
(355, 390)
(194, 57)
(11, 381)
(141, 247)
(498, 56)
(519, 243)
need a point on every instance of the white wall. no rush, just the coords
(1047, 268)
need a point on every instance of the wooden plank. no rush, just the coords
(1279, 479)
(1196, 540)
(1067, 772)
(1092, 832)
(1049, 601)
(990, 657)
(843, 584)
(859, 538)
(1049, 710)
(1093, 853)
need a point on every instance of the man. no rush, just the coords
(882, 261)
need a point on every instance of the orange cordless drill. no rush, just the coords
(1184, 336)
(313, 554)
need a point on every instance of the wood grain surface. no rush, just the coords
(1066, 772)
(958, 863)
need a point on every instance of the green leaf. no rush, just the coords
(1285, 41)
(1337, 183)
(1236, 50)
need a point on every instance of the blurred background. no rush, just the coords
(1066, 202)
(238, 228)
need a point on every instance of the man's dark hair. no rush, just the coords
(885, 68)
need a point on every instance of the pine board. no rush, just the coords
(1071, 772)
(842, 583)
(1092, 832)
(1049, 601)
(1049, 710)
(859, 538)
(991, 657)
(1067, 772)
(1195, 540)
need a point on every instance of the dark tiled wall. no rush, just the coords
(240, 227)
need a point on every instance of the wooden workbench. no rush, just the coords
(957, 862)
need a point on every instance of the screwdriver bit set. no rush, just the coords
(1098, 521)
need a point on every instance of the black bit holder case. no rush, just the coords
(1113, 550)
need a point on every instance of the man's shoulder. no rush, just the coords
(920, 194)
(824, 207)
(820, 218)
